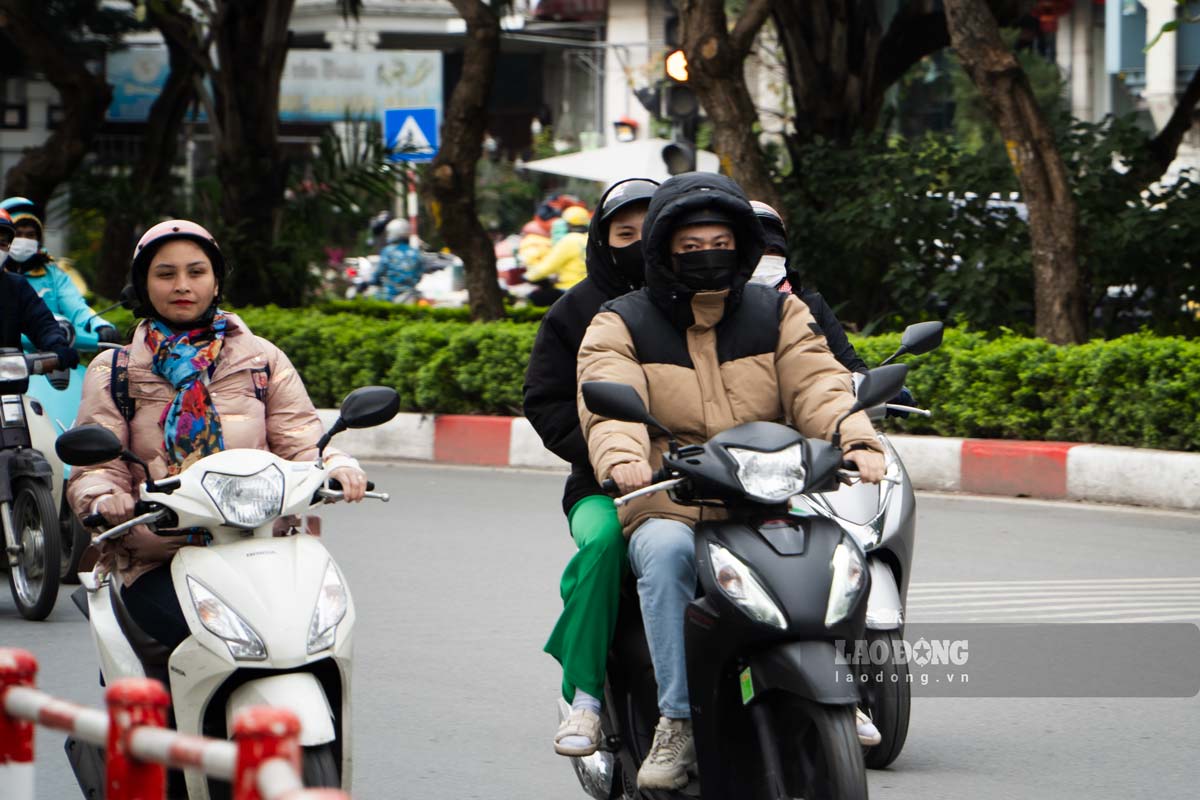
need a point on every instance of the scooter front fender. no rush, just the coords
(809, 669)
(298, 692)
(885, 609)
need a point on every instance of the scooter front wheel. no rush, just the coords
(34, 549)
(819, 750)
(887, 698)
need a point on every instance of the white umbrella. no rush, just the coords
(640, 159)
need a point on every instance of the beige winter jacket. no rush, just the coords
(725, 384)
(285, 423)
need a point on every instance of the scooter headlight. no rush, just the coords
(13, 368)
(246, 501)
(223, 622)
(770, 477)
(332, 602)
(737, 582)
(849, 578)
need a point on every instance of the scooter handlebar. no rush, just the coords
(610, 487)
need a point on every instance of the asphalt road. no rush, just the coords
(455, 583)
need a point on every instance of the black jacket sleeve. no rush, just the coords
(843, 351)
(550, 391)
(37, 322)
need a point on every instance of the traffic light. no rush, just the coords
(681, 106)
(679, 157)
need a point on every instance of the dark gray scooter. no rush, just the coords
(772, 707)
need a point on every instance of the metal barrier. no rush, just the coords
(262, 762)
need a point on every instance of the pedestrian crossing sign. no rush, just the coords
(411, 134)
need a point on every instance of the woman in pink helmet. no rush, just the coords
(194, 381)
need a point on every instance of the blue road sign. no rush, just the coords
(411, 133)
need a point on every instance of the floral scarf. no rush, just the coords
(191, 425)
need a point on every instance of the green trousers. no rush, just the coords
(591, 592)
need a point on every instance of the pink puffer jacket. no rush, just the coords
(285, 423)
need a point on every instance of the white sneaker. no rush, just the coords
(868, 734)
(579, 734)
(671, 755)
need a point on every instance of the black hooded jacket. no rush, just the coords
(676, 198)
(23, 312)
(550, 390)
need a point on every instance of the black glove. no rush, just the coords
(68, 358)
(108, 333)
(904, 398)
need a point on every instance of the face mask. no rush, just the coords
(22, 249)
(706, 270)
(770, 270)
(630, 262)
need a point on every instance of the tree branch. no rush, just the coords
(1163, 147)
(741, 38)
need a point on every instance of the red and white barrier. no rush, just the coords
(262, 763)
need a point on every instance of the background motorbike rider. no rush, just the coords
(702, 242)
(27, 256)
(23, 312)
(399, 262)
(200, 382)
(774, 269)
(591, 582)
(565, 264)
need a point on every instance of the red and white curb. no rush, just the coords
(1048, 470)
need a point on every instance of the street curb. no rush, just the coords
(1047, 470)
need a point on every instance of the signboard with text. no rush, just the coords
(317, 85)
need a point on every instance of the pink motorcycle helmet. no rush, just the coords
(159, 235)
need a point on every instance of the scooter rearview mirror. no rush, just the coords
(878, 386)
(618, 401)
(88, 445)
(922, 337)
(369, 406)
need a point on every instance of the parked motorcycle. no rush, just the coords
(27, 508)
(772, 710)
(882, 518)
(271, 616)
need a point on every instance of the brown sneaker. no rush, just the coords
(671, 756)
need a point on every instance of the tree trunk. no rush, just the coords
(716, 72)
(453, 170)
(84, 98)
(151, 175)
(1059, 297)
(252, 46)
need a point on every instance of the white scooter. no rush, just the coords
(271, 617)
(882, 518)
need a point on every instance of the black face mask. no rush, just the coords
(630, 263)
(706, 270)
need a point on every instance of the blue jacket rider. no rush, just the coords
(28, 257)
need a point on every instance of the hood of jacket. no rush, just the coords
(600, 267)
(679, 196)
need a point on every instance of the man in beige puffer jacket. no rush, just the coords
(706, 351)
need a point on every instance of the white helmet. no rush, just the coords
(397, 229)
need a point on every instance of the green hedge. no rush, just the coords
(1139, 390)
